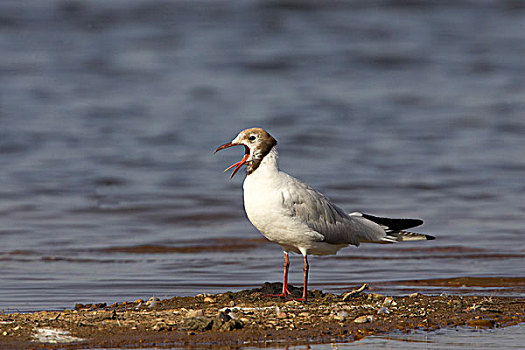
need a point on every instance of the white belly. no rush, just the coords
(263, 206)
(263, 203)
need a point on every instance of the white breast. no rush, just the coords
(263, 201)
(264, 198)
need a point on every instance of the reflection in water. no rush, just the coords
(457, 338)
(463, 338)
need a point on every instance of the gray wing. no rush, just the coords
(320, 215)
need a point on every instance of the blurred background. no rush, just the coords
(110, 112)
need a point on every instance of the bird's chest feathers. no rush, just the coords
(263, 203)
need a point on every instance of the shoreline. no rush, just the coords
(248, 318)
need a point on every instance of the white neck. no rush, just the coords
(268, 164)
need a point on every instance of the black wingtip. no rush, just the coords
(430, 238)
(394, 224)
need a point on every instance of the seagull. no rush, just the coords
(297, 217)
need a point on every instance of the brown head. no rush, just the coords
(257, 144)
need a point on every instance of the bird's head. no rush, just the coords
(257, 143)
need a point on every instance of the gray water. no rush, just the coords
(110, 112)
(449, 339)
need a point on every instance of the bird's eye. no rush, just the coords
(252, 138)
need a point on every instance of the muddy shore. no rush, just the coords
(248, 318)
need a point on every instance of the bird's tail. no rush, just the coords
(400, 236)
(395, 229)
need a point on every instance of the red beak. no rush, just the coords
(239, 164)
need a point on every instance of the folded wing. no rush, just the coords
(334, 226)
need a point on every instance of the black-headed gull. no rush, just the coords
(297, 217)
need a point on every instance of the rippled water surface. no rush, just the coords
(110, 112)
(450, 339)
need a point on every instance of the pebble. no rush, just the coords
(383, 310)
(282, 314)
(159, 326)
(209, 300)
(364, 319)
(98, 305)
(375, 296)
(195, 313)
(152, 302)
(481, 323)
(389, 301)
(414, 295)
(340, 315)
(227, 324)
(223, 317)
(234, 314)
(198, 324)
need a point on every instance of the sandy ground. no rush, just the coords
(249, 318)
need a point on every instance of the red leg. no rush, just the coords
(285, 274)
(285, 278)
(305, 285)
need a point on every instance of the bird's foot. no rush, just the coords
(285, 293)
(276, 295)
(304, 300)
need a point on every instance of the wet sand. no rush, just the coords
(248, 318)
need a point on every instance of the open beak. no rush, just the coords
(239, 164)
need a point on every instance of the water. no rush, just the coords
(442, 339)
(452, 339)
(458, 338)
(110, 112)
